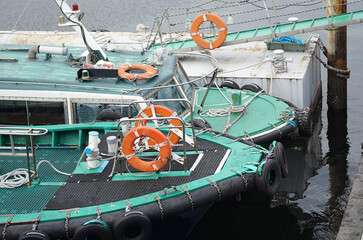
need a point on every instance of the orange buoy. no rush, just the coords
(150, 71)
(164, 112)
(197, 36)
(157, 136)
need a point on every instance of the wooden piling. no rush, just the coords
(337, 57)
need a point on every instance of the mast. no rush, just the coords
(94, 51)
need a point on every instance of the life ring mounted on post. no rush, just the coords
(160, 139)
(153, 111)
(150, 71)
(194, 32)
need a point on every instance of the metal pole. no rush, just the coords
(34, 162)
(28, 160)
(337, 57)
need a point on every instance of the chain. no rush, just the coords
(248, 137)
(338, 72)
(189, 196)
(322, 47)
(128, 206)
(243, 178)
(160, 206)
(217, 188)
(36, 223)
(7, 223)
(98, 214)
(66, 223)
(276, 129)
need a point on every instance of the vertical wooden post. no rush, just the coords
(337, 57)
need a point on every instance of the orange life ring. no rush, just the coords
(158, 137)
(150, 71)
(164, 112)
(194, 31)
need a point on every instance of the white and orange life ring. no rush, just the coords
(159, 110)
(150, 71)
(160, 139)
(194, 31)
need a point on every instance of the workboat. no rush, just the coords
(120, 180)
(44, 85)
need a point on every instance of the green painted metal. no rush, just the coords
(262, 114)
(278, 31)
(65, 135)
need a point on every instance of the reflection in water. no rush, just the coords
(311, 201)
(338, 167)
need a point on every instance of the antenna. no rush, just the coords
(74, 21)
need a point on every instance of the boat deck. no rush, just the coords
(94, 187)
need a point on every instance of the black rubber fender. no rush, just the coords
(252, 87)
(132, 226)
(93, 230)
(269, 181)
(34, 235)
(213, 85)
(109, 114)
(305, 122)
(201, 123)
(229, 84)
(280, 155)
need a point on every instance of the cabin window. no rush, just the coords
(31, 113)
(88, 112)
(13, 112)
(46, 113)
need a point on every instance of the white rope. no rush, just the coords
(58, 171)
(15, 178)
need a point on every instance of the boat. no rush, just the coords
(44, 84)
(119, 180)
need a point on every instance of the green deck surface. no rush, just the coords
(262, 114)
(57, 75)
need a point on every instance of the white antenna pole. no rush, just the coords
(72, 16)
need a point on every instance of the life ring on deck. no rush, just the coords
(161, 141)
(150, 71)
(131, 226)
(194, 32)
(268, 182)
(33, 235)
(94, 228)
(164, 112)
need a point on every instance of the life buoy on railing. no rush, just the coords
(161, 141)
(162, 111)
(150, 71)
(197, 36)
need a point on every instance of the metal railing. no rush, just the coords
(26, 132)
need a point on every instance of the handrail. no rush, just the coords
(23, 131)
(158, 118)
(171, 100)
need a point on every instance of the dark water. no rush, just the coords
(322, 168)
